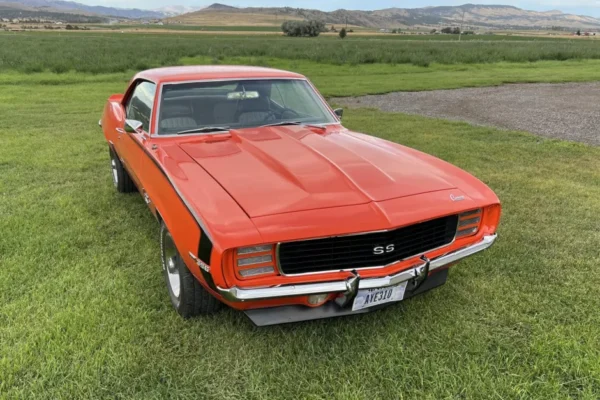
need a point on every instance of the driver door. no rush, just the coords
(138, 107)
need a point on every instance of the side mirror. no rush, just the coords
(339, 112)
(133, 126)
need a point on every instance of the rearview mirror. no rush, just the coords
(132, 125)
(339, 112)
(243, 95)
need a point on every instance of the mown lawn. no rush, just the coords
(84, 312)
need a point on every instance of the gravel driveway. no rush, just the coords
(568, 111)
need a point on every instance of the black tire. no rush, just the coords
(121, 179)
(190, 298)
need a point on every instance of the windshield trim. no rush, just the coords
(155, 117)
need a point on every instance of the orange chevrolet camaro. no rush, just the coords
(269, 205)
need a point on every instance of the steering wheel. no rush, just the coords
(288, 111)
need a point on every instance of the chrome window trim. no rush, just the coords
(154, 118)
(280, 271)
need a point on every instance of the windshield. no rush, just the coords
(239, 104)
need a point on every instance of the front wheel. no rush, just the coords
(121, 179)
(187, 295)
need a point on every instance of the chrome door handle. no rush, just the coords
(120, 130)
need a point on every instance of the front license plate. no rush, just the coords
(374, 297)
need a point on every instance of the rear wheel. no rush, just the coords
(187, 295)
(121, 179)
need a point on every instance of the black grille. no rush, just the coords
(357, 251)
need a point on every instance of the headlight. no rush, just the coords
(254, 261)
(468, 223)
(253, 249)
(242, 262)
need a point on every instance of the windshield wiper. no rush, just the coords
(283, 123)
(205, 129)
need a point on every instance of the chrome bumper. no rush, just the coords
(236, 294)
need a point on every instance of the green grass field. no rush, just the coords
(348, 80)
(108, 52)
(84, 312)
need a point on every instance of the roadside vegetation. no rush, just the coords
(83, 308)
(36, 51)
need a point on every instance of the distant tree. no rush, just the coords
(310, 28)
(456, 31)
(394, 30)
(578, 32)
(342, 33)
(447, 30)
(352, 31)
(433, 31)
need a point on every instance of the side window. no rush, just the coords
(139, 105)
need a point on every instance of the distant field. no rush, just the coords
(355, 80)
(358, 31)
(61, 52)
(181, 27)
(232, 19)
(476, 38)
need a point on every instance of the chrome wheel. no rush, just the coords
(115, 174)
(170, 258)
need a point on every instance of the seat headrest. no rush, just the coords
(178, 123)
(176, 109)
(251, 105)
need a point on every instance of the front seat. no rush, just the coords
(177, 124)
(253, 111)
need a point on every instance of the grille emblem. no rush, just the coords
(383, 249)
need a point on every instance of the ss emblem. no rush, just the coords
(382, 250)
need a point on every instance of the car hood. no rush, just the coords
(285, 169)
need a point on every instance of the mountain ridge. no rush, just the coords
(71, 7)
(470, 15)
(486, 16)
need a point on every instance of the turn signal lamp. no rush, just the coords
(317, 299)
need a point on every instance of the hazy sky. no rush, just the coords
(586, 7)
